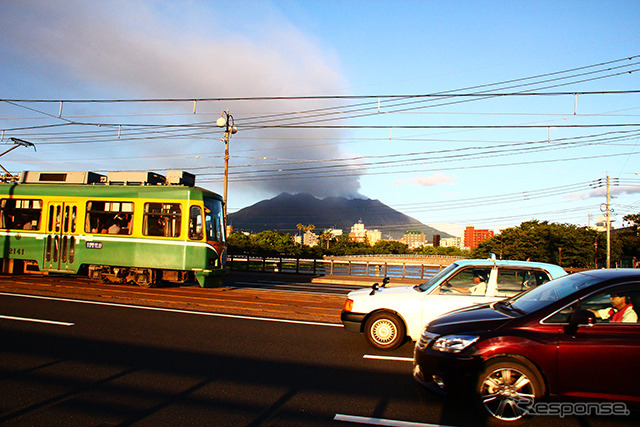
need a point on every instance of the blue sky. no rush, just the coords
(490, 161)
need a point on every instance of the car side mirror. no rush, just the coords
(582, 317)
(377, 286)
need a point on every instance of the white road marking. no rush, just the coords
(393, 358)
(27, 319)
(381, 421)
(173, 310)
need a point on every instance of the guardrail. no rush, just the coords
(405, 270)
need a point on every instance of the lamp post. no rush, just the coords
(226, 121)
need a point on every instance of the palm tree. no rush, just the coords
(325, 236)
(300, 228)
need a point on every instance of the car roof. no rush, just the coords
(510, 263)
(613, 273)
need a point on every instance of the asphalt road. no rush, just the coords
(69, 362)
(106, 365)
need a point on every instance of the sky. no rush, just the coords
(483, 113)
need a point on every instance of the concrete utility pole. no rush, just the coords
(608, 223)
(606, 209)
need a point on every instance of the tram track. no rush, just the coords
(226, 299)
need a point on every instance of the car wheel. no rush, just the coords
(507, 389)
(385, 331)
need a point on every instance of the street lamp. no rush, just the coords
(226, 121)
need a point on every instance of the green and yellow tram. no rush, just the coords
(122, 227)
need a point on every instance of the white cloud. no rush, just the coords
(138, 49)
(428, 181)
(602, 192)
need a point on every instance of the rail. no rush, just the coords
(405, 270)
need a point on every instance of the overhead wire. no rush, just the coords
(455, 93)
(287, 176)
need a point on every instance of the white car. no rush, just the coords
(387, 315)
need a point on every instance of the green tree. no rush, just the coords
(300, 227)
(273, 243)
(342, 245)
(325, 239)
(238, 243)
(442, 250)
(629, 238)
(390, 247)
(564, 244)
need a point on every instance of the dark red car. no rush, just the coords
(558, 342)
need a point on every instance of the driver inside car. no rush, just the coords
(479, 286)
(621, 310)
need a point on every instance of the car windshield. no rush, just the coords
(551, 292)
(435, 279)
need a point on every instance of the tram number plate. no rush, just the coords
(16, 251)
(94, 245)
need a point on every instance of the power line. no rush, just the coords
(311, 97)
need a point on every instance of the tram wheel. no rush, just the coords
(145, 278)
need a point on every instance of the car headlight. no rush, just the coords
(454, 343)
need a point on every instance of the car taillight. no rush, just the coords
(348, 305)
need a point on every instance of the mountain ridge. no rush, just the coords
(284, 211)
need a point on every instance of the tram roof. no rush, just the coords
(177, 184)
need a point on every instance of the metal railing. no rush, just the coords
(405, 270)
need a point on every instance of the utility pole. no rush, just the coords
(608, 223)
(560, 257)
(226, 121)
(606, 209)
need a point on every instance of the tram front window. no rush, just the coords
(195, 223)
(214, 220)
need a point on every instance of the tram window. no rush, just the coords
(214, 220)
(58, 218)
(109, 217)
(162, 219)
(74, 214)
(65, 222)
(195, 223)
(51, 222)
(23, 214)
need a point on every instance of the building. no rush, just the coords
(335, 232)
(360, 234)
(414, 239)
(309, 238)
(374, 236)
(455, 242)
(601, 224)
(471, 236)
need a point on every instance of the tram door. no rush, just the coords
(60, 242)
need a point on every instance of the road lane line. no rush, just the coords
(393, 358)
(174, 310)
(27, 319)
(381, 421)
